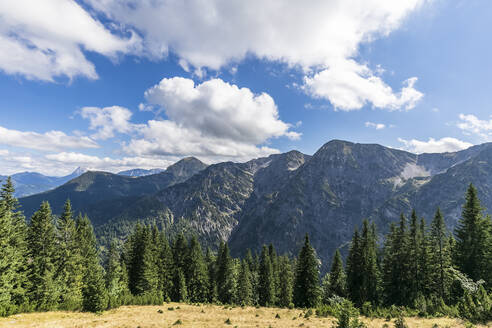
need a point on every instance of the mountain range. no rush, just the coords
(280, 198)
(30, 183)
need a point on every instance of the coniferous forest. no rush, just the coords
(417, 268)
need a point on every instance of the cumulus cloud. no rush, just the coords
(51, 140)
(470, 124)
(211, 119)
(322, 38)
(45, 39)
(442, 145)
(108, 120)
(377, 126)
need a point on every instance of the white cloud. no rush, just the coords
(470, 124)
(108, 120)
(4, 152)
(442, 145)
(51, 140)
(45, 39)
(349, 86)
(213, 119)
(322, 38)
(377, 126)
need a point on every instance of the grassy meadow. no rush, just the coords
(184, 315)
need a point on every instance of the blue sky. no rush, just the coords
(112, 85)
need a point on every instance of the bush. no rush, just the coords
(347, 316)
(400, 322)
(476, 307)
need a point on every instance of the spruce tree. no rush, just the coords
(226, 283)
(69, 262)
(13, 262)
(440, 256)
(43, 292)
(473, 238)
(196, 273)
(180, 289)
(337, 283)
(244, 289)
(212, 276)
(424, 261)
(306, 287)
(266, 279)
(370, 271)
(414, 247)
(166, 268)
(286, 281)
(94, 294)
(354, 268)
(115, 280)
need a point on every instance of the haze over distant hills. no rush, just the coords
(279, 198)
(30, 183)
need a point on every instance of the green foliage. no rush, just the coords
(400, 322)
(347, 316)
(306, 287)
(286, 280)
(335, 282)
(225, 279)
(244, 289)
(196, 272)
(266, 280)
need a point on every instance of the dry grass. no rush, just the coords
(195, 316)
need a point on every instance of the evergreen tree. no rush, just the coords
(166, 268)
(306, 287)
(212, 280)
(244, 289)
(354, 268)
(266, 279)
(370, 270)
(424, 261)
(115, 280)
(272, 254)
(440, 255)
(337, 281)
(473, 238)
(69, 262)
(196, 273)
(286, 281)
(43, 291)
(225, 276)
(414, 247)
(94, 294)
(180, 290)
(13, 262)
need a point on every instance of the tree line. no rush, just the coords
(54, 263)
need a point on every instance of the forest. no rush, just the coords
(418, 268)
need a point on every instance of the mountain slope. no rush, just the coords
(100, 193)
(140, 172)
(30, 183)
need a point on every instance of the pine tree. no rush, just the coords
(286, 281)
(337, 281)
(94, 294)
(212, 279)
(148, 271)
(196, 273)
(180, 290)
(245, 291)
(440, 255)
(306, 287)
(225, 276)
(275, 272)
(472, 238)
(69, 262)
(370, 270)
(414, 247)
(266, 279)
(43, 291)
(424, 261)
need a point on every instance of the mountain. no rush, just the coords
(100, 193)
(29, 183)
(278, 199)
(140, 172)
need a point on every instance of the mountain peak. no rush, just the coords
(185, 166)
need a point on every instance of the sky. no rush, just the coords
(119, 84)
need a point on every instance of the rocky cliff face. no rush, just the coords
(279, 198)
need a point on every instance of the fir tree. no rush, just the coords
(424, 272)
(211, 271)
(43, 291)
(473, 238)
(354, 267)
(166, 267)
(180, 290)
(266, 279)
(244, 289)
(196, 273)
(69, 262)
(306, 287)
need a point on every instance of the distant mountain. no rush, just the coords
(278, 199)
(29, 183)
(140, 172)
(101, 193)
